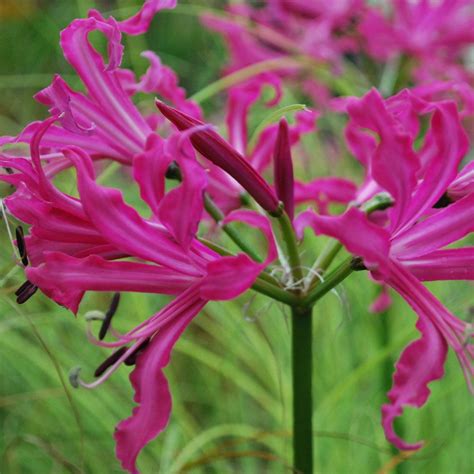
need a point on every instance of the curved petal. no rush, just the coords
(149, 170)
(181, 208)
(60, 275)
(260, 222)
(102, 84)
(442, 228)
(448, 264)
(394, 163)
(420, 363)
(228, 277)
(449, 145)
(355, 232)
(122, 226)
(140, 22)
(152, 393)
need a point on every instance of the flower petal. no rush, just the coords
(420, 363)
(448, 264)
(152, 393)
(122, 226)
(181, 208)
(354, 231)
(442, 228)
(140, 22)
(60, 276)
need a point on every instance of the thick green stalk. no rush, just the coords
(278, 294)
(302, 358)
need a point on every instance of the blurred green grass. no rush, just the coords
(230, 371)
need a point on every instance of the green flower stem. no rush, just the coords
(333, 279)
(302, 370)
(218, 216)
(291, 246)
(242, 75)
(323, 261)
(279, 294)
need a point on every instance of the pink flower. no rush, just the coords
(104, 121)
(432, 32)
(75, 245)
(412, 246)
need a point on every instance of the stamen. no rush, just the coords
(110, 361)
(132, 358)
(8, 170)
(109, 315)
(25, 292)
(20, 243)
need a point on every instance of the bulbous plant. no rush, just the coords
(413, 203)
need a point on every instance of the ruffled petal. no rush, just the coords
(355, 231)
(181, 209)
(449, 144)
(324, 191)
(393, 164)
(122, 226)
(149, 170)
(102, 84)
(420, 363)
(140, 22)
(152, 393)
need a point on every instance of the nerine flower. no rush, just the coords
(436, 33)
(78, 245)
(412, 246)
(104, 121)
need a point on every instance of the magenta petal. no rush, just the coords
(442, 228)
(60, 276)
(355, 231)
(260, 222)
(222, 282)
(393, 163)
(450, 145)
(181, 208)
(149, 170)
(152, 393)
(122, 226)
(448, 264)
(140, 22)
(420, 363)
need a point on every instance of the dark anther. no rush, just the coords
(25, 292)
(173, 172)
(8, 170)
(132, 358)
(357, 264)
(20, 243)
(109, 315)
(110, 361)
(443, 201)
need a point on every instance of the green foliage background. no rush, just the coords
(229, 374)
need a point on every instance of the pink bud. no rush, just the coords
(283, 169)
(222, 154)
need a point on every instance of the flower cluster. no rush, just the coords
(398, 222)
